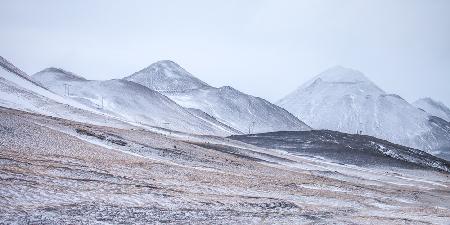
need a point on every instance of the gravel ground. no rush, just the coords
(56, 171)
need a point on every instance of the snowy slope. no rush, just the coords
(243, 112)
(345, 100)
(130, 101)
(20, 91)
(433, 107)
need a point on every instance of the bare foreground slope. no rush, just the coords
(56, 171)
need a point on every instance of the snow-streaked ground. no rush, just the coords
(56, 171)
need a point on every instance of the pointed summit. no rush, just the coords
(335, 81)
(166, 75)
(339, 74)
(342, 74)
(57, 73)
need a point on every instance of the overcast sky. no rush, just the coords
(264, 48)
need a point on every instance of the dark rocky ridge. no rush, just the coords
(354, 149)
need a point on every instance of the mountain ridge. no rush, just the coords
(232, 107)
(130, 101)
(433, 107)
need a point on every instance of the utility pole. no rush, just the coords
(251, 127)
(166, 125)
(67, 89)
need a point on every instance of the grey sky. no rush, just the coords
(264, 48)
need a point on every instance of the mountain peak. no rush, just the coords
(345, 79)
(58, 73)
(166, 75)
(169, 64)
(342, 74)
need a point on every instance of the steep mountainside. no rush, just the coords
(128, 100)
(434, 108)
(243, 112)
(345, 100)
(20, 91)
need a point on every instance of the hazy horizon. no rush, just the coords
(263, 48)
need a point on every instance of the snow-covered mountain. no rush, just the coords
(20, 91)
(345, 100)
(243, 112)
(129, 101)
(434, 108)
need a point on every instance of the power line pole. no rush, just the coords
(251, 127)
(166, 125)
(67, 89)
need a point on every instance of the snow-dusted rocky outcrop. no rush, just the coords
(243, 112)
(343, 99)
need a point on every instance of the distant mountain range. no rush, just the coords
(344, 100)
(165, 96)
(64, 94)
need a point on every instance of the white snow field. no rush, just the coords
(343, 99)
(20, 91)
(238, 110)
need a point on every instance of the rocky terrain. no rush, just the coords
(57, 171)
